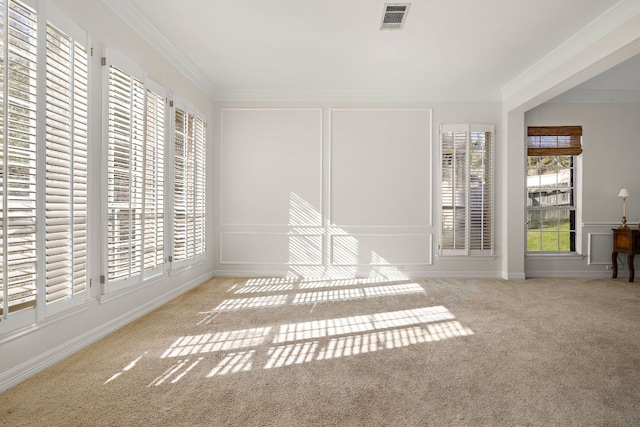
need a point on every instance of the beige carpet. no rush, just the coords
(260, 352)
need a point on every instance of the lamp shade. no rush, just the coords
(624, 193)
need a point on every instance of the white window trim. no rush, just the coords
(43, 312)
(467, 253)
(163, 268)
(181, 265)
(96, 231)
(54, 307)
(114, 58)
(578, 185)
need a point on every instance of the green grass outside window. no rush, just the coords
(550, 236)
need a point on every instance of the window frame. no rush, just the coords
(73, 290)
(487, 193)
(557, 141)
(41, 169)
(138, 275)
(162, 126)
(79, 292)
(20, 157)
(197, 252)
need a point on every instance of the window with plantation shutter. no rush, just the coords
(18, 40)
(466, 190)
(125, 170)
(189, 186)
(180, 184)
(66, 166)
(199, 214)
(154, 182)
(136, 177)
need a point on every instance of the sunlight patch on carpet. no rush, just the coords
(304, 342)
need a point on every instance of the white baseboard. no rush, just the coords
(250, 273)
(422, 274)
(569, 274)
(513, 276)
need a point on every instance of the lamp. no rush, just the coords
(623, 194)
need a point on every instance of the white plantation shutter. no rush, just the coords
(466, 189)
(189, 186)
(81, 132)
(180, 187)
(17, 157)
(125, 169)
(3, 181)
(135, 176)
(190, 190)
(199, 178)
(154, 181)
(481, 190)
(454, 189)
(66, 166)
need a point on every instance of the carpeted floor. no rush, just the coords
(285, 352)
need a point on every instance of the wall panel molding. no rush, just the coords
(381, 162)
(285, 249)
(347, 249)
(599, 247)
(271, 166)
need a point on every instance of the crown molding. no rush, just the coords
(364, 95)
(132, 16)
(615, 17)
(598, 96)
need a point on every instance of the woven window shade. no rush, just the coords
(554, 140)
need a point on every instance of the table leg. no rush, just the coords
(614, 263)
(631, 270)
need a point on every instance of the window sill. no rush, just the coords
(188, 266)
(467, 257)
(18, 332)
(567, 256)
(126, 290)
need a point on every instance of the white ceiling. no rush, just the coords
(313, 49)
(620, 84)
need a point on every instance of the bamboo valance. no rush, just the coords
(554, 140)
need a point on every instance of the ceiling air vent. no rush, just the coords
(394, 16)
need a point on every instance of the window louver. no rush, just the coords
(136, 178)
(454, 190)
(18, 44)
(180, 183)
(467, 189)
(200, 187)
(154, 182)
(189, 186)
(480, 191)
(125, 175)
(66, 166)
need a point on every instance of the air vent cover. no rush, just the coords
(394, 16)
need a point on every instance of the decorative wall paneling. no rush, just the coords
(351, 201)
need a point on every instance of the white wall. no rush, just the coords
(510, 185)
(293, 188)
(336, 189)
(29, 349)
(609, 161)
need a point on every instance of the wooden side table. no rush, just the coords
(626, 241)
